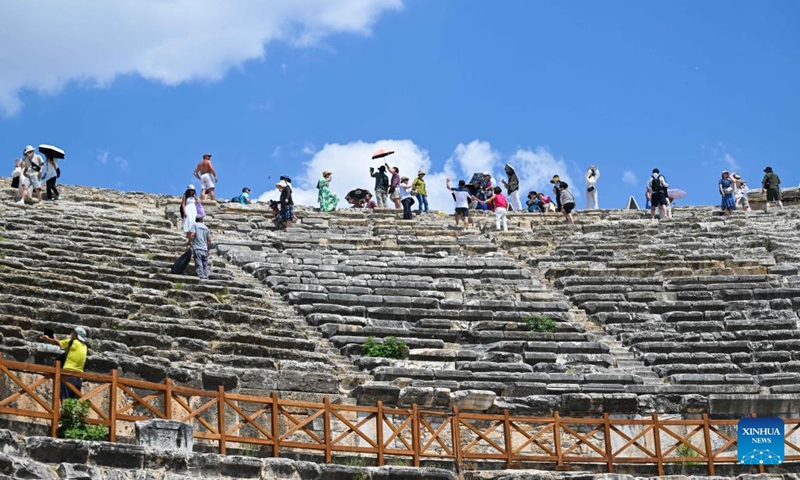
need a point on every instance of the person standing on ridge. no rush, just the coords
(381, 184)
(462, 197)
(771, 185)
(657, 193)
(406, 199)
(50, 174)
(327, 199)
(591, 177)
(286, 203)
(512, 187)
(556, 181)
(394, 184)
(208, 177)
(726, 188)
(73, 359)
(32, 170)
(418, 189)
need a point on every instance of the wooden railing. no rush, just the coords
(277, 424)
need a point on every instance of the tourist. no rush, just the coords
(286, 204)
(405, 198)
(567, 202)
(189, 209)
(512, 187)
(244, 197)
(50, 174)
(72, 360)
(394, 183)
(418, 189)
(728, 203)
(381, 184)
(547, 203)
(771, 185)
(32, 171)
(591, 177)
(461, 197)
(16, 174)
(200, 243)
(740, 191)
(328, 201)
(556, 181)
(500, 203)
(657, 194)
(534, 203)
(369, 202)
(208, 177)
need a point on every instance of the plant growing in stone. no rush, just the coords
(541, 324)
(684, 450)
(390, 348)
(73, 425)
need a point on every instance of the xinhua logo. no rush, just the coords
(761, 441)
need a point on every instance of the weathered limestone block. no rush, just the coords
(165, 435)
(474, 400)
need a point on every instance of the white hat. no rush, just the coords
(81, 333)
(282, 184)
(190, 187)
(28, 149)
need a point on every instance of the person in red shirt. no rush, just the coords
(500, 203)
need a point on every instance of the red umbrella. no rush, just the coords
(381, 153)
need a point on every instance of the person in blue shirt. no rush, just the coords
(244, 197)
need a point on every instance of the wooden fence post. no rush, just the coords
(221, 419)
(657, 444)
(709, 447)
(557, 440)
(168, 398)
(112, 407)
(507, 437)
(56, 401)
(455, 432)
(415, 440)
(327, 417)
(609, 447)
(379, 432)
(276, 426)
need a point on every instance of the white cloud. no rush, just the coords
(630, 178)
(166, 41)
(536, 167)
(350, 166)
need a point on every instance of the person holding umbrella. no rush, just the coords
(50, 174)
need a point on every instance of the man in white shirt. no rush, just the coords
(461, 196)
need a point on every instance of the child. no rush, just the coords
(500, 208)
(567, 202)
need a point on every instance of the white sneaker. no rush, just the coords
(21, 202)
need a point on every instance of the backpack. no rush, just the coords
(773, 181)
(658, 188)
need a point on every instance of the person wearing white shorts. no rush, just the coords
(32, 171)
(208, 177)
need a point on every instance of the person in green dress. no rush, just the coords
(327, 199)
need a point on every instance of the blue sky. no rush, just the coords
(453, 85)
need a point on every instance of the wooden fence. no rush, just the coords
(414, 434)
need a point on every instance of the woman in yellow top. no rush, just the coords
(418, 189)
(75, 348)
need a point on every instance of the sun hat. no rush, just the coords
(81, 333)
(737, 176)
(421, 172)
(326, 173)
(555, 179)
(725, 171)
(190, 187)
(768, 170)
(404, 179)
(28, 149)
